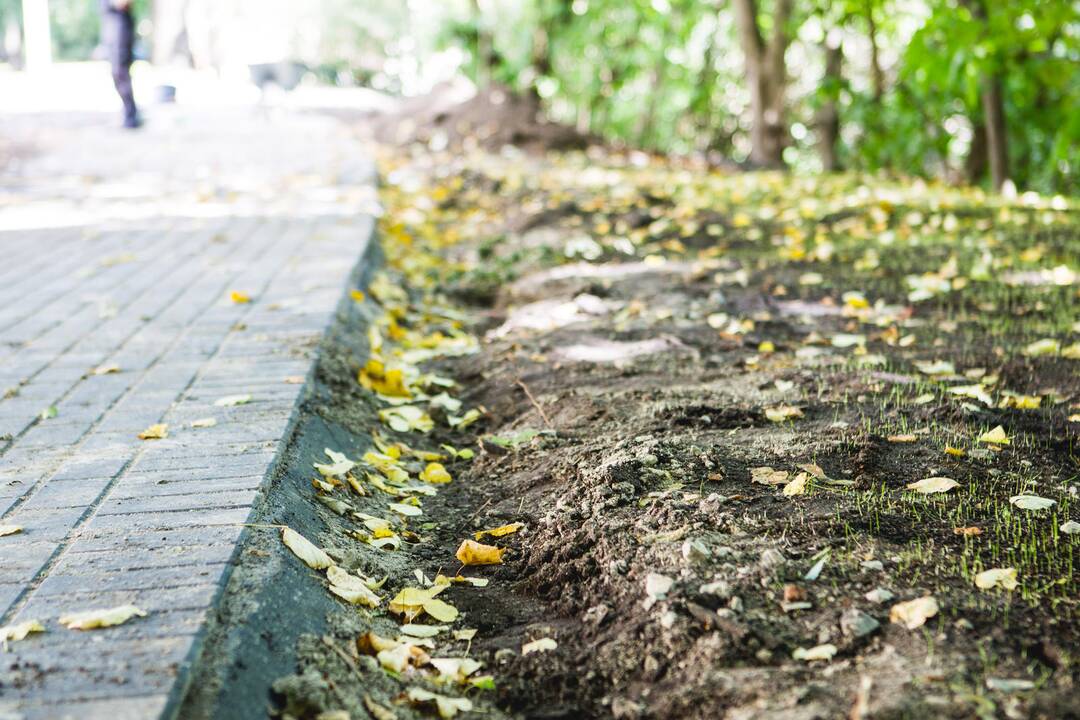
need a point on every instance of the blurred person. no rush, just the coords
(118, 37)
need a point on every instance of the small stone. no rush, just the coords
(771, 558)
(856, 624)
(695, 551)
(879, 595)
(720, 588)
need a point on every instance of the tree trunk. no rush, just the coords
(766, 76)
(828, 120)
(975, 164)
(37, 37)
(876, 75)
(993, 102)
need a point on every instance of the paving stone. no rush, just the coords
(143, 283)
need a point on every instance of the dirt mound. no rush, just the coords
(456, 115)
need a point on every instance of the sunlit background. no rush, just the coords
(894, 85)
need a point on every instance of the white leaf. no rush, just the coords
(818, 652)
(996, 577)
(312, 555)
(933, 485)
(541, 645)
(1032, 502)
(90, 619)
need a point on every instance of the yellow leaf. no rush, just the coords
(19, 631)
(441, 611)
(238, 297)
(914, 613)
(932, 485)
(767, 476)
(956, 452)
(435, 473)
(473, 553)
(996, 436)
(106, 369)
(357, 295)
(796, 486)
(448, 707)
(903, 438)
(1046, 346)
(155, 432)
(10, 529)
(1004, 578)
(312, 555)
(500, 531)
(91, 619)
(782, 412)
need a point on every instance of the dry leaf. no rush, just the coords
(540, 645)
(1032, 502)
(903, 438)
(781, 413)
(1004, 578)
(312, 555)
(818, 652)
(797, 486)
(1070, 527)
(240, 298)
(207, 422)
(448, 707)
(19, 631)
(351, 588)
(339, 465)
(473, 553)
(914, 613)
(91, 619)
(232, 400)
(996, 436)
(10, 529)
(767, 476)
(933, 485)
(500, 531)
(155, 432)
(106, 369)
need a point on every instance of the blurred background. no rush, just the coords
(973, 91)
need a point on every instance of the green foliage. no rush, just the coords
(668, 75)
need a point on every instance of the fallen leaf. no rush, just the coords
(405, 418)
(105, 369)
(207, 422)
(351, 588)
(19, 631)
(405, 509)
(781, 413)
(91, 619)
(155, 432)
(312, 555)
(996, 436)
(448, 707)
(1004, 578)
(932, 485)
(818, 652)
(10, 529)
(936, 367)
(465, 634)
(914, 613)
(1007, 685)
(971, 531)
(540, 645)
(338, 466)
(435, 473)
(238, 297)
(767, 476)
(1032, 502)
(49, 413)
(471, 552)
(796, 486)
(500, 531)
(903, 438)
(232, 400)
(455, 669)
(1070, 527)
(1039, 348)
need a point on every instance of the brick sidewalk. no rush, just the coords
(122, 249)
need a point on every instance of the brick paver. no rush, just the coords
(122, 249)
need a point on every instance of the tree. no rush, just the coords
(766, 78)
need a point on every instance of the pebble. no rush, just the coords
(856, 624)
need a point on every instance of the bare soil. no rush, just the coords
(644, 415)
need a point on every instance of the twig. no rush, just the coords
(536, 405)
